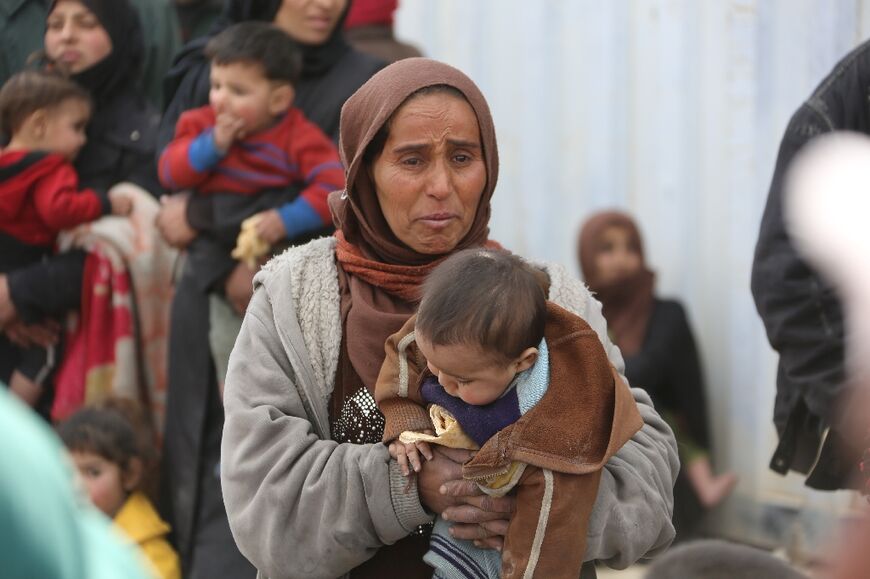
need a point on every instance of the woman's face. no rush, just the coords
(309, 21)
(431, 174)
(617, 257)
(74, 37)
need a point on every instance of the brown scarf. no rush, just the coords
(628, 302)
(379, 275)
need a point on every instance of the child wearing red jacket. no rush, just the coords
(249, 150)
(44, 116)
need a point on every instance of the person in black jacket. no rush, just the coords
(331, 72)
(120, 146)
(660, 355)
(801, 311)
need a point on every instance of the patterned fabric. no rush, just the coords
(359, 420)
(294, 151)
(117, 344)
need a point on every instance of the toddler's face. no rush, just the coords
(241, 90)
(467, 372)
(65, 128)
(103, 479)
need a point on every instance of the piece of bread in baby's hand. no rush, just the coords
(250, 247)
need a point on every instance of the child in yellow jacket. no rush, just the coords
(110, 461)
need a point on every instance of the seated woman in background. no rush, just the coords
(660, 355)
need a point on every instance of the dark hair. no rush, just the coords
(104, 431)
(717, 559)
(376, 145)
(33, 90)
(486, 297)
(261, 43)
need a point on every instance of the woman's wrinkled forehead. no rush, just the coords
(375, 146)
(377, 101)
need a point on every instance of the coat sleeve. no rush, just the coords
(271, 456)
(320, 169)
(188, 160)
(402, 411)
(61, 205)
(631, 518)
(801, 312)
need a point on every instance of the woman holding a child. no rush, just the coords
(99, 43)
(309, 488)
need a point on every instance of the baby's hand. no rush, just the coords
(270, 227)
(410, 453)
(227, 128)
(121, 204)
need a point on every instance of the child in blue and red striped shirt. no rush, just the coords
(249, 139)
(249, 150)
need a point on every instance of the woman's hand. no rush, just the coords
(475, 516)
(172, 221)
(239, 287)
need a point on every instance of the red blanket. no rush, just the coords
(116, 345)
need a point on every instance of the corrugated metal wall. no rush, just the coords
(672, 109)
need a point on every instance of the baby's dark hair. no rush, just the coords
(32, 90)
(104, 431)
(717, 559)
(486, 297)
(261, 43)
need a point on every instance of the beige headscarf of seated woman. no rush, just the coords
(379, 275)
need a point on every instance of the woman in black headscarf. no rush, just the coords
(122, 133)
(99, 43)
(332, 71)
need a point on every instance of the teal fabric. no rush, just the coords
(22, 23)
(162, 36)
(47, 529)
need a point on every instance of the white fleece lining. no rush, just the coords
(544, 515)
(403, 363)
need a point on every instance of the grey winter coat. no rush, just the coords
(301, 505)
